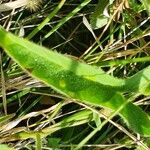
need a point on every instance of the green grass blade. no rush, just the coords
(65, 19)
(50, 16)
(77, 80)
(123, 62)
(75, 119)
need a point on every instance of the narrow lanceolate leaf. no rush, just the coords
(80, 81)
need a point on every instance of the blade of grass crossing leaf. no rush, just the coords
(85, 140)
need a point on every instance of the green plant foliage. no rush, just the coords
(80, 81)
(53, 142)
(146, 4)
(5, 147)
(98, 19)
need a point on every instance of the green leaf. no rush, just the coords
(5, 147)
(146, 4)
(80, 81)
(97, 119)
(98, 19)
(53, 142)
